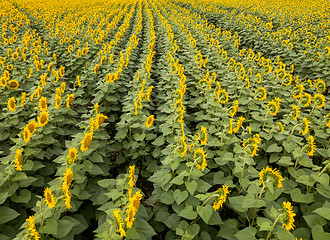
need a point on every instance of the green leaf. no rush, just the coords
(143, 228)
(264, 224)
(63, 228)
(324, 212)
(7, 214)
(50, 227)
(159, 141)
(297, 196)
(319, 234)
(205, 212)
(179, 196)
(23, 197)
(247, 233)
(188, 213)
(191, 186)
(274, 148)
(314, 219)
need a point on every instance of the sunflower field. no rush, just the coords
(164, 119)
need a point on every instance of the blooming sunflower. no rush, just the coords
(119, 222)
(203, 141)
(148, 94)
(43, 118)
(11, 104)
(26, 135)
(260, 94)
(305, 124)
(200, 158)
(18, 160)
(221, 198)
(32, 228)
(234, 108)
(327, 120)
(23, 99)
(13, 84)
(86, 142)
(43, 104)
(130, 215)
(319, 100)
(72, 156)
(310, 146)
(287, 79)
(231, 126)
(62, 71)
(67, 199)
(289, 216)
(297, 91)
(136, 199)
(182, 149)
(272, 175)
(100, 117)
(3, 82)
(306, 99)
(49, 198)
(96, 68)
(320, 85)
(150, 121)
(32, 126)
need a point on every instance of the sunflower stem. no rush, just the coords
(257, 209)
(270, 232)
(292, 132)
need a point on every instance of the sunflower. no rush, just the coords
(26, 135)
(223, 96)
(305, 127)
(150, 121)
(231, 126)
(23, 99)
(63, 84)
(3, 81)
(67, 179)
(289, 216)
(273, 107)
(148, 94)
(11, 104)
(49, 198)
(10, 67)
(204, 136)
(200, 158)
(258, 78)
(43, 104)
(131, 182)
(182, 149)
(13, 84)
(18, 160)
(15, 55)
(103, 59)
(57, 101)
(306, 99)
(260, 94)
(69, 100)
(221, 198)
(297, 91)
(295, 112)
(32, 228)
(279, 127)
(119, 222)
(234, 108)
(62, 71)
(86, 142)
(72, 156)
(239, 124)
(130, 215)
(100, 117)
(287, 79)
(327, 120)
(78, 81)
(310, 146)
(320, 85)
(67, 199)
(136, 199)
(272, 175)
(43, 118)
(96, 68)
(319, 100)
(224, 55)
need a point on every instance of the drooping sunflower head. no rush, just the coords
(221, 197)
(305, 126)
(306, 99)
(234, 108)
(310, 146)
(320, 85)
(200, 158)
(100, 117)
(136, 199)
(72, 156)
(43, 118)
(319, 100)
(260, 94)
(130, 215)
(287, 79)
(18, 160)
(272, 107)
(203, 136)
(295, 112)
(297, 91)
(271, 175)
(288, 218)
(280, 73)
(279, 127)
(13, 84)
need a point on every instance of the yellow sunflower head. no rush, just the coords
(288, 219)
(43, 118)
(150, 121)
(11, 104)
(260, 94)
(13, 84)
(271, 175)
(49, 198)
(200, 158)
(319, 100)
(86, 142)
